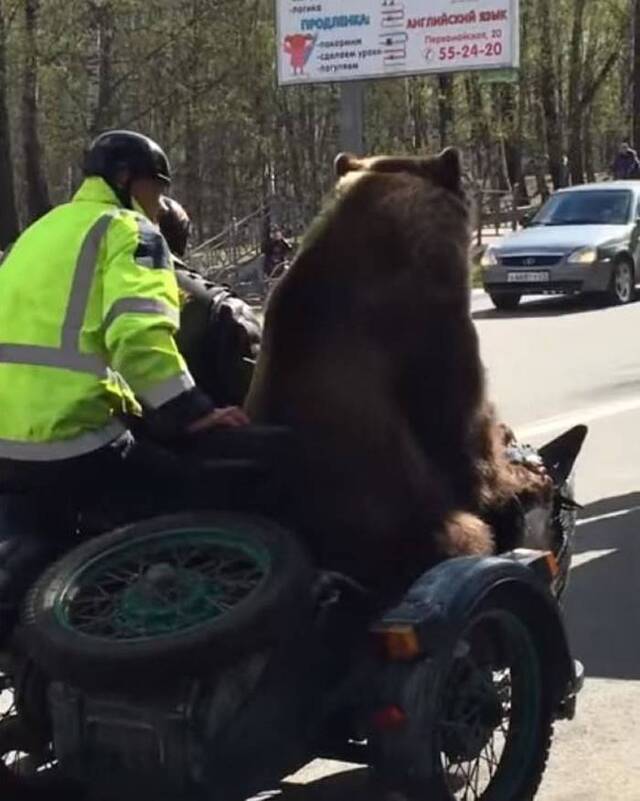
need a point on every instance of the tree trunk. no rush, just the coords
(99, 65)
(37, 193)
(291, 147)
(483, 156)
(9, 225)
(310, 137)
(515, 95)
(576, 116)
(415, 102)
(193, 156)
(193, 170)
(588, 79)
(588, 147)
(523, 193)
(548, 93)
(511, 115)
(445, 109)
(636, 74)
(538, 157)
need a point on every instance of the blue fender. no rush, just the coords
(440, 603)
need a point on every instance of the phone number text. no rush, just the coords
(487, 50)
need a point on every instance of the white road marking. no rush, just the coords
(558, 422)
(585, 521)
(580, 559)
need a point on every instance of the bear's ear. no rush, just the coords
(344, 163)
(450, 169)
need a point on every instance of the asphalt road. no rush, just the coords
(552, 363)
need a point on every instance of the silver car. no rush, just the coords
(583, 239)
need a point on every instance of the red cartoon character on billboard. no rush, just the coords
(299, 47)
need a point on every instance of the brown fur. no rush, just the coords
(369, 352)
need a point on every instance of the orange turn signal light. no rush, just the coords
(543, 563)
(552, 564)
(398, 643)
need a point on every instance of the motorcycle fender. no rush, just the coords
(429, 618)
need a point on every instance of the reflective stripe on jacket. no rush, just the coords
(88, 312)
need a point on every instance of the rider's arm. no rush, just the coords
(140, 318)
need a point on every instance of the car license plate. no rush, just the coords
(528, 276)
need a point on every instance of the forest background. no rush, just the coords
(199, 76)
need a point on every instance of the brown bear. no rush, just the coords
(370, 355)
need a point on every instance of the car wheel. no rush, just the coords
(622, 288)
(505, 301)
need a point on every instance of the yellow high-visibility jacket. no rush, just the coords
(88, 312)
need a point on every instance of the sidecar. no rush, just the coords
(203, 656)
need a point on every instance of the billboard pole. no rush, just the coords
(352, 117)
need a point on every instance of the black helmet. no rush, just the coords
(113, 151)
(175, 225)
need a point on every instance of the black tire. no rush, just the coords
(505, 301)
(67, 648)
(622, 287)
(417, 761)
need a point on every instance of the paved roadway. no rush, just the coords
(552, 363)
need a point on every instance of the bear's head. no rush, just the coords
(444, 170)
(394, 215)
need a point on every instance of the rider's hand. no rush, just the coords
(226, 416)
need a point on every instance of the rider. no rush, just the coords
(87, 343)
(175, 227)
(220, 333)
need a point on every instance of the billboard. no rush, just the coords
(344, 40)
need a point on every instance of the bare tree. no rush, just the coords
(575, 117)
(445, 108)
(99, 64)
(636, 73)
(9, 225)
(585, 79)
(37, 193)
(548, 93)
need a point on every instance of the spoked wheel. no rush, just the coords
(479, 720)
(164, 598)
(163, 585)
(493, 728)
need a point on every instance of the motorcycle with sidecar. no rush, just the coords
(204, 656)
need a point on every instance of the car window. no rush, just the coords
(597, 207)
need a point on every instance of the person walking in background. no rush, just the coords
(626, 164)
(276, 250)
